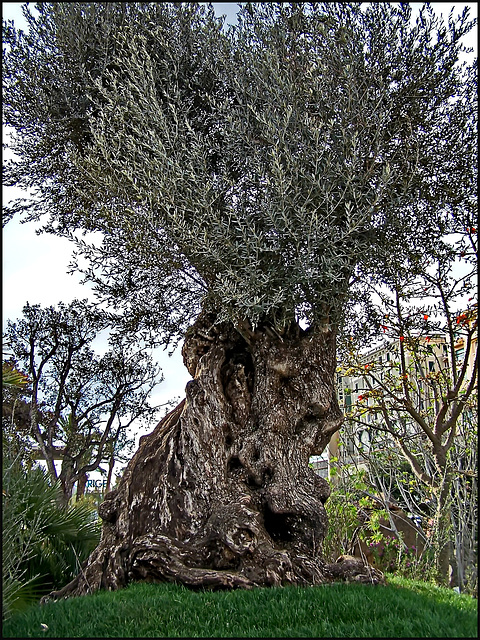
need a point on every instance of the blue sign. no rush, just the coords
(96, 484)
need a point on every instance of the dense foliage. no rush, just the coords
(259, 171)
(43, 544)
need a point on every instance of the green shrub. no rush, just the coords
(44, 544)
(346, 508)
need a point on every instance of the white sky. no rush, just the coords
(35, 267)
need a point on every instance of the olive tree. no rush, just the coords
(240, 182)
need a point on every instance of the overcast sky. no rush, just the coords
(35, 267)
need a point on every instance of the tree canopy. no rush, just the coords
(257, 172)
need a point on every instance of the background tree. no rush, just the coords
(420, 399)
(246, 179)
(81, 404)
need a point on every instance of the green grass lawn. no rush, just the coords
(403, 609)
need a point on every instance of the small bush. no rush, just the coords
(349, 525)
(43, 544)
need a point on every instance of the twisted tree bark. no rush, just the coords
(220, 494)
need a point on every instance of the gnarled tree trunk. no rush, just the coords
(221, 494)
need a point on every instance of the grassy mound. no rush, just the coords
(402, 609)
